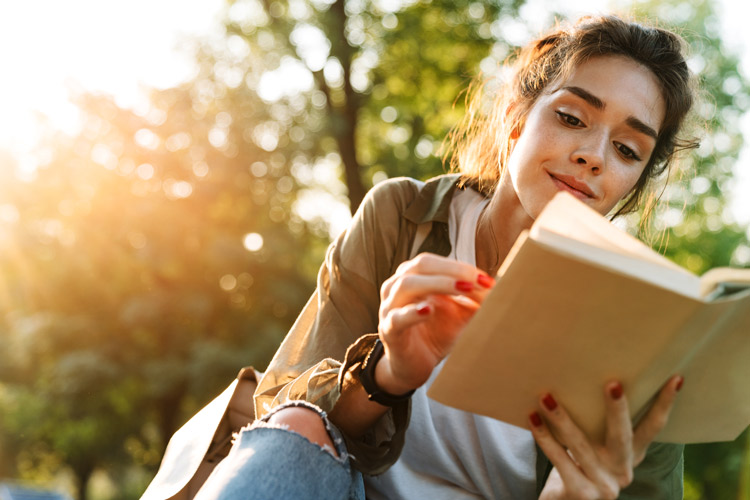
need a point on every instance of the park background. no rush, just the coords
(154, 238)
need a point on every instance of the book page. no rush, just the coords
(577, 230)
(714, 403)
(734, 277)
(674, 279)
(573, 219)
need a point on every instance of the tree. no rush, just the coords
(149, 264)
(384, 77)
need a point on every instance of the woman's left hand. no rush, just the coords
(584, 470)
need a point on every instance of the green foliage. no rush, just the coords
(410, 107)
(146, 265)
(698, 231)
(713, 470)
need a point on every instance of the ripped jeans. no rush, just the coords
(269, 462)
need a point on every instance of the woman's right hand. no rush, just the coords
(423, 307)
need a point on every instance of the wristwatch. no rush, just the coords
(367, 378)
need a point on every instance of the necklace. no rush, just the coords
(486, 218)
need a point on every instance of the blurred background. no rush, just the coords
(171, 173)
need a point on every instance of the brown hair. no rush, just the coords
(480, 144)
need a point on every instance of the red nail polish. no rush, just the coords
(549, 402)
(464, 286)
(679, 384)
(423, 310)
(485, 281)
(616, 391)
(535, 419)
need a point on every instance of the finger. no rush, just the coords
(394, 320)
(413, 287)
(570, 473)
(431, 264)
(619, 435)
(398, 320)
(570, 435)
(385, 288)
(454, 307)
(656, 418)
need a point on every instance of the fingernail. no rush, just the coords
(535, 419)
(679, 384)
(616, 391)
(485, 281)
(423, 310)
(549, 402)
(464, 286)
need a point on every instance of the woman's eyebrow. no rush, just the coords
(597, 103)
(586, 96)
(641, 127)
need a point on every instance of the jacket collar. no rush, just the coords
(433, 201)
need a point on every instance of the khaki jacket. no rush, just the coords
(338, 326)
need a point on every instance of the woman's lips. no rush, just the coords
(572, 185)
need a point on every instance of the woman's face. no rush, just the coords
(592, 135)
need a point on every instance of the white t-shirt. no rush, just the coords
(451, 454)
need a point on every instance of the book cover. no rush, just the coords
(577, 303)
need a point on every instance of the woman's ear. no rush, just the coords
(515, 132)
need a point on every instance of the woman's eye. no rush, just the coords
(627, 152)
(569, 119)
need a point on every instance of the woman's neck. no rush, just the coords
(499, 226)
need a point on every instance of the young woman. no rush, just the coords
(593, 109)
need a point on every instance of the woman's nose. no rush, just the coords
(590, 154)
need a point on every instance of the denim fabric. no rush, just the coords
(270, 462)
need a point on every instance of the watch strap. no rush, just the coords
(367, 379)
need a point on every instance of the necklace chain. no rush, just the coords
(487, 214)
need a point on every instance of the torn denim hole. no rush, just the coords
(333, 432)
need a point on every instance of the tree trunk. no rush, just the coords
(345, 117)
(82, 477)
(169, 406)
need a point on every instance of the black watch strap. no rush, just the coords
(367, 378)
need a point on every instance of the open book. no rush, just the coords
(578, 303)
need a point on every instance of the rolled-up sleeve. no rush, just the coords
(338, 325)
